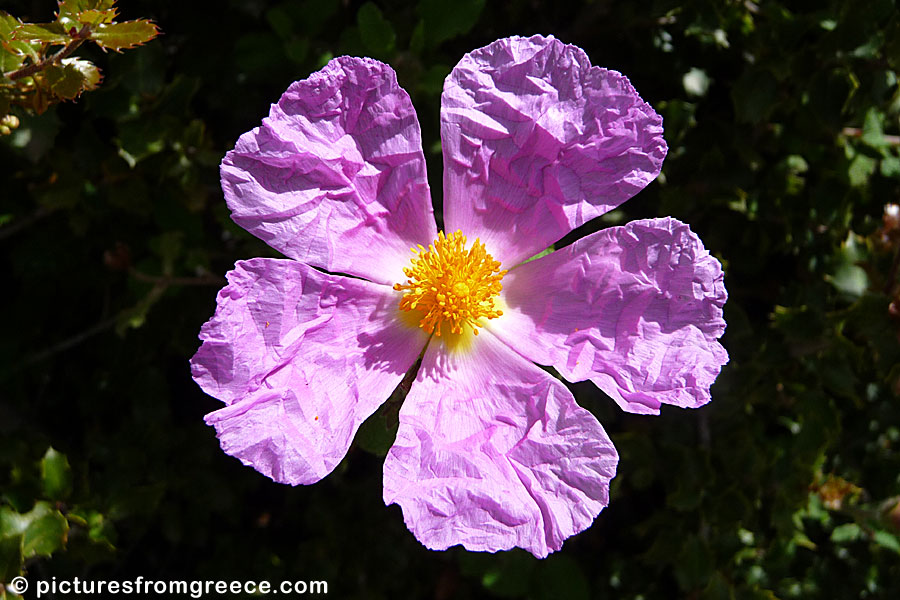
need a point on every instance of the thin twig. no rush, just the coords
(893, 140)
(79, 38)
(67, 343)
(166, 280)
(892, 273)
(20, 224)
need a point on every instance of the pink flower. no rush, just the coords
(491, 452)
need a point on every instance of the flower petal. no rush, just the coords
(493, 453)
(302, 358)
(637, 309)
(335, 176)
(537, 141)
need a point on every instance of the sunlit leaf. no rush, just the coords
(65, 81)
(10, 61)
(24, 49)
(97, 17)
(887, 540)
(8, 24)
(51, 33)
(88, 70)
(890, 166)
(46, 535)
(56, 475)
(848, 532)
(44, 528)
(68, 11)
(119, 36)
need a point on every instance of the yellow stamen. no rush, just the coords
(452, 285)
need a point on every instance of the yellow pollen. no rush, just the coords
(449, 284)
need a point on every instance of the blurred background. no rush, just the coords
(783, 125)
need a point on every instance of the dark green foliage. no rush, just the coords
(35, 73)
(783, 121)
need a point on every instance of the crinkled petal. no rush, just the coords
(636, 309)
(335, 176)
(301, 358)
(536, 142)
(493, 453)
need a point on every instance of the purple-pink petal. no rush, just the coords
(335, 176)
(494, 453)
(301, 358)
(536, 142)
(636, 309)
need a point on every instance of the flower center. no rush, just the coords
(449, 284)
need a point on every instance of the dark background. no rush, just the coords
(782, 124)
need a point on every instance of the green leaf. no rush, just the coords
(445, 20)
(417, 39)
(315, 14)
(297, 49)
(376, 31)
(46, 535)
(510, 577)
(96, 17)
(257, 54)
(88, 70)
(432, 83)
(890, 166)
(718, 588)
(376, 435)
(50, 33)
(860, 169)
(754, 95)
(872, 132)
(279, 19)
(886, 540)
(44, 529)
(695, 565)
(30, 50)
(13, 53)
(68, 12)
(8, 24)
(137, 140)
(561, 577)
(118, 36)
(848, 277)
(848, 532)
(10, 61)
(100, 529)
(56, 476)
(11, 556)
(66, 81)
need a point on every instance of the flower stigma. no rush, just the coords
(452, 286)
